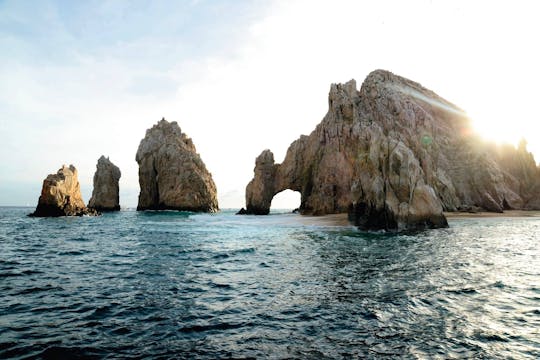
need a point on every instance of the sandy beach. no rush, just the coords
(485, 214)
(342, 219)
(324, 220)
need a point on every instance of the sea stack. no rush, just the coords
(394, 155)
(105, 196)
(171, 173)
(61, 195)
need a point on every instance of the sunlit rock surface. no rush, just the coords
(171, 173)
(395, 155)
(105, 196)
(61, 195)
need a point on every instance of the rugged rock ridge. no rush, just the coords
(171, 173)
(105, 196)
(394, 155)
(61, 195)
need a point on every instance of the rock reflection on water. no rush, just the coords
(214, 286)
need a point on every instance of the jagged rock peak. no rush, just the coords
(106, 193)
(394, 155)
(171, 173)
(61, 195)
(261, 189)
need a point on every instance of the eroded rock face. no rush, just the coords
(261, 189)
(171, 173)
(105, 196)
(395, 155)
(61, 195)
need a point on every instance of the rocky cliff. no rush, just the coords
(105, 196)
(171, 173)
(394, 155)
(61, 195)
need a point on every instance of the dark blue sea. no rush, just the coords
(172, 285)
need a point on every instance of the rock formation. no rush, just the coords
(394, 155)
(105, 196)
(171, 173)
(61, 195)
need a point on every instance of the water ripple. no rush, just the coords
(179, 285)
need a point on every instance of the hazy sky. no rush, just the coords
(79, 79)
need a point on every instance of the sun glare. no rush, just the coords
(501, 128)
(494, 125)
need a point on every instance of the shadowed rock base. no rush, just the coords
(368, 218)
(54, 211)
(106, 209)
(177, 208)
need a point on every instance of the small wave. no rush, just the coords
(73, 252)
(231, 253)
(37, 289)
(78, 239)
(64, 352)
(9, 262)
(9, 274)
(212, 327)
(100, 313)
(220, 286)
(490, 337)
(120, 331)
(244, 251)
(467, 291)
(31, 272)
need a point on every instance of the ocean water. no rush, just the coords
(178, 285)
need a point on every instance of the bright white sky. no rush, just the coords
(82, 79)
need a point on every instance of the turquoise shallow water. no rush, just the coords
(177, 285)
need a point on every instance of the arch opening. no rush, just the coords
(285, 201)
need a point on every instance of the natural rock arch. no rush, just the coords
(394, 155)
(286, 200)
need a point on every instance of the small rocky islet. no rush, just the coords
(106, 193)
(393, 155)
(61, 195)
(172, 175)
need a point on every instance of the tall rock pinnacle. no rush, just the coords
(171, 173)
(105, 196)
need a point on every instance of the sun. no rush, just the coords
(493, 123)
(494, 127)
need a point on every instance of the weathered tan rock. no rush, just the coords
(61, 195)
(106, 193)
(261, 189)
(171, 173)
(394, 155)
